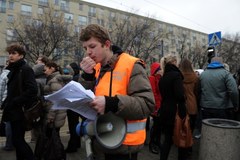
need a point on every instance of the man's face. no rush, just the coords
(95, 50)
(14, 57)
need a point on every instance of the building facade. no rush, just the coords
(81, 13)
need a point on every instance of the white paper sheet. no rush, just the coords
(75, 97)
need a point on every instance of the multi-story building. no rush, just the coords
(81, 13)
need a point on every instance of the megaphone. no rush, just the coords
(109, 130)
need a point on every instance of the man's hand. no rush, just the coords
(99, 104)
(87, 65)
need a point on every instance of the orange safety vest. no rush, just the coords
(120, 80)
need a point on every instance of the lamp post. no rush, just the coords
(161, 49)
(162, 52)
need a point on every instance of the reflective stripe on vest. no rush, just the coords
(133, 127)
(136, 133)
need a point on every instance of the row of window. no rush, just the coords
(3, 6)
(82, 20)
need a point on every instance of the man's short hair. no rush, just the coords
(96, 31)
(15, 47)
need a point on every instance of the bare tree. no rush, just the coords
(47, 34)
(139, 37)
(198, 55)
(182, 46)
(230, 50)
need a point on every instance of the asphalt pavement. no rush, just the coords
(81, 153)
(144, 154)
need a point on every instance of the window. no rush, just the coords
(112, 15)
(170, 29)
(37, 23)
(64, 5)
(194, 38)
(204, 41)
(26, 10)
(11, 35)
(101, 12)
(10, 19)
(43, 2)
(40, 10)
(11, 5)
(3, 6)
(80, 6)
(56, 2)
(77, 29)
(100, 22)
(56, 14)
(111, 18)
(68, 17)
(56, 52)
(92, 12)
(27, 21)
(82, 20)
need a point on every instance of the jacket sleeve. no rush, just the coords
(87, 81)
(232, 90)
(139, 102)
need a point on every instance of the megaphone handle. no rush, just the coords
(88, 146)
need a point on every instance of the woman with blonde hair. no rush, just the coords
(172, 92)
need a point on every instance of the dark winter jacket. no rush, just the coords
(19, 95)
(172, 91)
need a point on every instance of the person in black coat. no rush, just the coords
(21, 92)
(172, 91)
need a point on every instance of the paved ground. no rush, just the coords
(81, 154)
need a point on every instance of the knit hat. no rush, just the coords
(38, 69)
(154, 68)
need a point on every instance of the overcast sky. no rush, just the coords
(206, 16)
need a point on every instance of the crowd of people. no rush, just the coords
(121, 86)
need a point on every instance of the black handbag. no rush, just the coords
(33, 115)
(41, 144)
(49, 145)
(54, 149)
